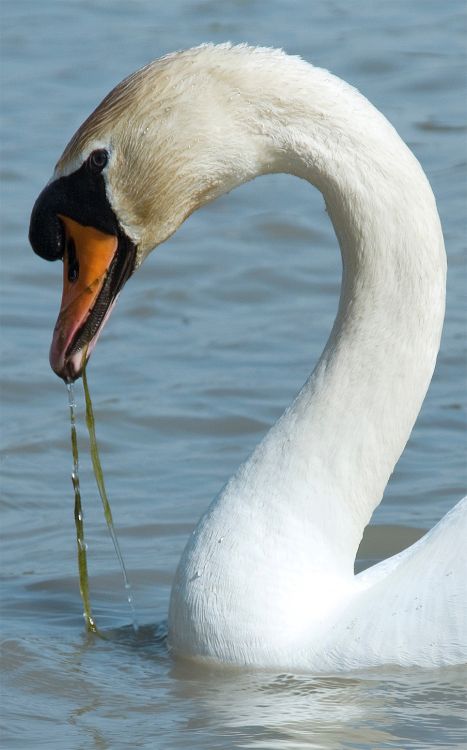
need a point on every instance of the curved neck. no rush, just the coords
(274, 554)
(351, 421)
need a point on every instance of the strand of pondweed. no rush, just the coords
(79, 523)
(99, 475)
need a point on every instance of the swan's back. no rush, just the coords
(412, 608)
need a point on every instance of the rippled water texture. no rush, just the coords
(207, 346)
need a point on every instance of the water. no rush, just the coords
(206, 347)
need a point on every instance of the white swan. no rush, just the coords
(267, 577)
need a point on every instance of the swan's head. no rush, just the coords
(168, 139)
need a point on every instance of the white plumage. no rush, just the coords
(267, 577)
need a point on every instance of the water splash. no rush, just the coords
(79, 521)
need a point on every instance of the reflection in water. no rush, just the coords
(160, 697)
(132, 677)
(290, 710)
(262, 709)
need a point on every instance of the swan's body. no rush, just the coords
(267, 576)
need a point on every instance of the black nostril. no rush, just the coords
(73, 264)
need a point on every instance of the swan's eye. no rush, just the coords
(97, 160)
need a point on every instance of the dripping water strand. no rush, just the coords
(79, 522)
(99, 475)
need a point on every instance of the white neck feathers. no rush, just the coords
(290, 520)
(339, 441)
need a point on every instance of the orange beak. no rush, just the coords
(88, 258)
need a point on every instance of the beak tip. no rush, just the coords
(68, 368)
